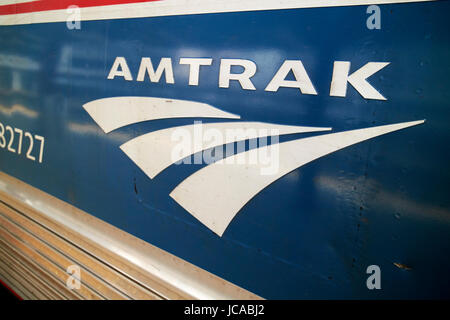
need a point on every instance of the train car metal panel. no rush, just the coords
(350, 116)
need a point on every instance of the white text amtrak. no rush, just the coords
(302, 82)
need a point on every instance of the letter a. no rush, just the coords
(301, 81)
(374, 281)
(123, 72)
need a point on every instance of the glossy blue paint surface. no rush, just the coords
(311, 234)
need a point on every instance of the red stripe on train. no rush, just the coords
(11, 290)
(45, 5)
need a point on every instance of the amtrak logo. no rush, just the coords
(217, 192)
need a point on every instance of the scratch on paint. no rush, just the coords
(402, 266)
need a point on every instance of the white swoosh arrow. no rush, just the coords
(153, 152)
(216, 193)
(116, 112)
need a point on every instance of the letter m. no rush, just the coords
(146, 66)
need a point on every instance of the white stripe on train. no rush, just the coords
(180, 7)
